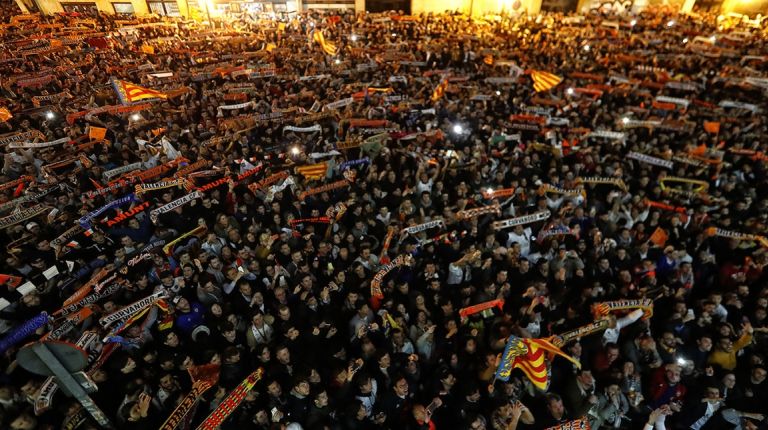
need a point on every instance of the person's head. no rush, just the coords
(672, 373)
(400, 386)
(555, 405)
(575, 349)
(301, 387)
(758, 374)
(217, 310)
(585, 378)
(258, 320)
(292, 333)
(712, 393)
(365, 384)
(296, 257)
(358, 410)
(231, 355)
(263, 353)
(274, 389)
(611, 352)
(228, 331)
(419, 413)
(284, 313)
(383, 359)
(471, 392)
(476, 422)
(283, 355)
(447, 378)
(612, 389)
(182, 305)
(167, 381)
(668, 340)
(704, 343)
(126, 241)
(725, 344)
(398, 337)
(25, 421)
(729, 380)
(321, 399)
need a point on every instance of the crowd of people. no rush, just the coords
(319, 197)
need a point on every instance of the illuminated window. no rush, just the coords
(123, 8)
(80, 7)
(170, 8)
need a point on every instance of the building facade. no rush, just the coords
(476, 7)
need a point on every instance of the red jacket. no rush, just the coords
(662, 392)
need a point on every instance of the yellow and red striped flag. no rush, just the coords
(440, 90)
(129, 93)
(231, 402)
(543, 81)
(328, 47)
(313, 171)
(528, 355)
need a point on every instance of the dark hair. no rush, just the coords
(552, 397)
(229, 352)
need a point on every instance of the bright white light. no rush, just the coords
(586, 47)
(394, 34)
(337, 61)
(458, 129)
(354, 38)
(135, 117)
(685, 40)
(681, 361)
(670, 23)
(489, 191)
(625, 120)
(50, 115)
(295, 150)
(633, 22)
(498, 93)
(713, 39)
(570, 91)
(312, 24)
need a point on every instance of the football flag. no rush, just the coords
(543, 81)
(440, 90)
(313, 171)
(129, 93)
(528, 355)
(328, 47)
